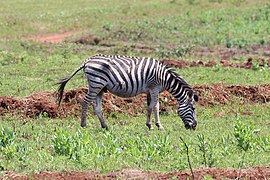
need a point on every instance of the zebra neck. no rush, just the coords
(178, 88)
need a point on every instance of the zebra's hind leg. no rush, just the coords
(149, 112)
(85, 105)
(98, 110)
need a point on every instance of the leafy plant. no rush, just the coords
(62, 142)
(207, 150)
(244, 135)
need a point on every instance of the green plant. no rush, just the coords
(244, 135)
(7, 137)
(107, 26)
(207, 150)
(62, 142)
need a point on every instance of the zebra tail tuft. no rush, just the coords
(61, 88)
(63, 83)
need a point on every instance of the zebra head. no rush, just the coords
(186, 110)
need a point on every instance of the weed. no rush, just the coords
(256, 66)
(7, 137)
(62, 142)
(107, 26)
(207, 150)
(245, 137)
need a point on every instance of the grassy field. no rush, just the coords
(230, 136)
(63, 145)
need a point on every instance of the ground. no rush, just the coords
(216, 173)
(44, 102)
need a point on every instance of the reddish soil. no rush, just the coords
(231, 53)
(216, 173)
(54, 38)
(224, 63)
(43, 103)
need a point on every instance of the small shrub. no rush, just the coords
(62, 142)
(207, 150)
(244, 135)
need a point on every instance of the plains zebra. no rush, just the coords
(127, 76)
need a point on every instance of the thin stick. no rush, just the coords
(192, 174)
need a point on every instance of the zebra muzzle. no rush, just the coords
(191, 125)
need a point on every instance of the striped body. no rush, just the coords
(123, 76)
(128, 76)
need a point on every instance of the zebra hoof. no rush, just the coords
(149, 127)
(83, 125)
(160, 127)
(105, 127)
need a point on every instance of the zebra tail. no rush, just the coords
(63, 82)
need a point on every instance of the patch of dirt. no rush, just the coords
(216, 173)
(43, 103)
(230, 53)
(224, 63)
(54, 38)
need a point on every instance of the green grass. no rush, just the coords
(172, 28)
(49, 16)
(25, 74)
(64, 145)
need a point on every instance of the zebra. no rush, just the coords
(127, 76)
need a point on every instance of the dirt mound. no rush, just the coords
(249, 64)
(44, 104)
(216, 173)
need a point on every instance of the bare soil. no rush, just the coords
(230, 53)
(216, 173)
(54, 37)
(44, 103)
(224, 63)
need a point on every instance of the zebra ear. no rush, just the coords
(190, 94)
(193, 95)
(196, 97)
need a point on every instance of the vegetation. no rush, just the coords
(64, 145)
(232, 136)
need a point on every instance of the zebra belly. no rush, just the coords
(122, 91)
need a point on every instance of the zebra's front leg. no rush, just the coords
(98, 110)
(153, 104)
(156, 113)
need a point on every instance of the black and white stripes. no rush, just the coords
(127, 76)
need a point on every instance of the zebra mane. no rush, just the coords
(173, 72)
